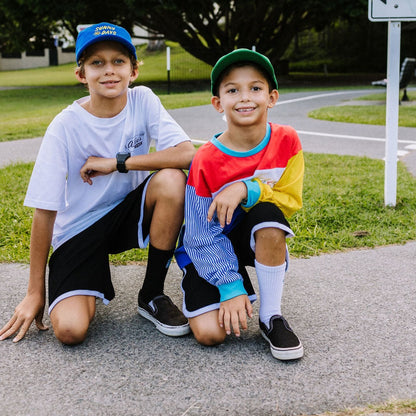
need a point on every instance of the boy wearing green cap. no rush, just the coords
(93, 194)
(242, 187)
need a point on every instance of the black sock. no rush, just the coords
(157, 268)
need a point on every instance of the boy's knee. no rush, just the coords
(271, 233)
(270, 246)
(70, 334)
(210, 339)
(271, 236)
(209, 336)
(172, 181)
(71, 319)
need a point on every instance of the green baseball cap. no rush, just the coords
(242, 55)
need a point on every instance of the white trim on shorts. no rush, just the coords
(212, 307)
(143, 243)
(269, 224)
(272, 224)
(78, 292)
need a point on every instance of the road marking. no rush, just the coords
(311, 97)
(400, 153)
(346, 136)
(342, 136)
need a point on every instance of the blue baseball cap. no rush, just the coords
(242, 55)
(100, 32)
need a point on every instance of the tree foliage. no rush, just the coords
(23, 26)
(207, 29)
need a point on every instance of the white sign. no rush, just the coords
(396, 10)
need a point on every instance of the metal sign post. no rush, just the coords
(393, 12)
(392, 113)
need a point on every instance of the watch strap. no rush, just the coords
(121, 161)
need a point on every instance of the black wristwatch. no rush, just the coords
(121, 161)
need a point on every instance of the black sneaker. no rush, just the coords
(165, 315)
(284, 344)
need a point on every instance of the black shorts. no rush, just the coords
(199, 295)
(80, 266)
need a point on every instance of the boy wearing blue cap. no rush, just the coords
(242, 187)
(93, 194)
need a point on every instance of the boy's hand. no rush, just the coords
(97, 166)
(29, 309)
(226, 202)
(232, 313)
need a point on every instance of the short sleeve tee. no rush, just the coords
(73, 136)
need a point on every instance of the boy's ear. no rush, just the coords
(273, 96)
(216, 102)
(134, 74)
(80, 76)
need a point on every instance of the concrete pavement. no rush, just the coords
(354, 311)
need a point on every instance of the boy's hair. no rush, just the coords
(239, 58)
(100, 32)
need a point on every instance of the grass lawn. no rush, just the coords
(368, 114)
(393, 407)
(26, 113)
(340, 211)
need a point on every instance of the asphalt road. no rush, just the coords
(354, 311)
(317, 136)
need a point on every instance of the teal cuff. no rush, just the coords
(231, 290)
(253, 193)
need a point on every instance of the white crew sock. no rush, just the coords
(271, 279)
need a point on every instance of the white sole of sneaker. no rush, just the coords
(171, 331)
(284, 354)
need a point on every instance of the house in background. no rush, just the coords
(36, 59)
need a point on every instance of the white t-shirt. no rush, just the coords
(72, 137)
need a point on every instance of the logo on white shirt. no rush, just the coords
(135, 142)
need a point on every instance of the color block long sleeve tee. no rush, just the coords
(272, 171)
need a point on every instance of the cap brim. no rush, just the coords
(242, 55)
(130, 47)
